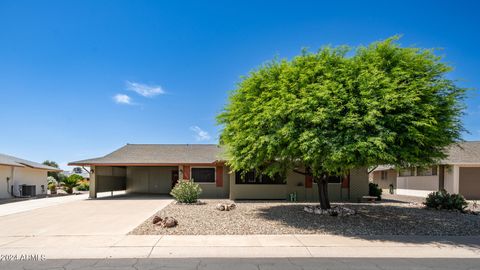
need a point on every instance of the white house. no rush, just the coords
(458, 173)
(22, 178)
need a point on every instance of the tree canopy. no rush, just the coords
(339, 108)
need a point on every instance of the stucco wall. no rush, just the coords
(296, 183)
(150, 179)
(449, 179)
(385, 183)
(211, 190)
(108, 178)
(21, 175)
(5, 172)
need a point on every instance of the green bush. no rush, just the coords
(444, 200)
(84, 186)
(185, 191)
(71, 182)
(374, 190)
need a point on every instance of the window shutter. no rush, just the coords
(219, 176)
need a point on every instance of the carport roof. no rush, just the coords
(463, 153)
(18, 162)
(158, 154)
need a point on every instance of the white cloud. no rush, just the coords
(145, 90)
(200, 134)
(122, 99)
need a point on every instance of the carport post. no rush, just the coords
(93, 183)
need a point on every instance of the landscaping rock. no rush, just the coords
(334, 211)
(225, 207)
(166, 222)
(156, 219)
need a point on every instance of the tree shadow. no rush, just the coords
(384, 222)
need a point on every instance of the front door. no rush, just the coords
(174, 178)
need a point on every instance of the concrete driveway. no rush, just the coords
(106, 216)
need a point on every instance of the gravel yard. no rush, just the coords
(267, 217)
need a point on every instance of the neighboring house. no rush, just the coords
(81, 172)
(22, 178)
(155, 168)
(458, 173)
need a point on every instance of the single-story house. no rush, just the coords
(22, 178)
(458, 173)
(156, 168)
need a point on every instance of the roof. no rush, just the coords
(460, 153)
(158, 154)
(18, 162)
(463, 153)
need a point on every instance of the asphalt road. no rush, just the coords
(257, 264)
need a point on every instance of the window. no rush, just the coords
(383, 175)
(252, 177)
(203, 175)
(407, 172)
(427, 171)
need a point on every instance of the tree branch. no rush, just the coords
(372, 169)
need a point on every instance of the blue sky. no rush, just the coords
(79, 79)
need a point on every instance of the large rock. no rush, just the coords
(166, 222)
(334, 211)
(156, 219)
(225, 206)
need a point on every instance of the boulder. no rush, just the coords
(156, 219)
(225, 206)
(169, 222)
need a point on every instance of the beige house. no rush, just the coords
(22, 178)
(458, 173)
(155, 168)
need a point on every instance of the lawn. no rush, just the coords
(270, 217)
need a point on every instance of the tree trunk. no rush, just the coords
(322, 184)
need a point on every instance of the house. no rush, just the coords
(22, 178)
(78, 171)
(155, 168)
(458, 173)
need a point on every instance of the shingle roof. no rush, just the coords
(159, 154)
(18, 162)
(463, 153)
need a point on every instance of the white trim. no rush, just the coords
(199, 167)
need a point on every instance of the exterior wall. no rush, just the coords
(5, 172)
(469, 182)
(449, 184)
(296, 184)
(22, 175)
(417, 185)
(149, 179)
(376, 177)
(108, 178)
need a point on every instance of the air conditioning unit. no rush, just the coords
(28, 190)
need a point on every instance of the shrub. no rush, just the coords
(51, 179)
(52, 186)
(71, 182)
(374, 190)
(83, 186)
(444, 200)
(186, 191)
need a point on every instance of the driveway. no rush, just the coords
(106, 216)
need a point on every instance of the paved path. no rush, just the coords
(116, 215)
(239, 246)
(250, 264)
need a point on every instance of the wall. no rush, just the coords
(417, 185)
(5, 171)
(108, 178)
(22, 175)
(449, 179)
(150, 179)
(296, 183)
(385, 183)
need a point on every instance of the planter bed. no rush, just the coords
(267, 217)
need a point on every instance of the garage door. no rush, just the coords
(469, 185)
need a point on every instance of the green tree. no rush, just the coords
(71, 182)
(54, 164)
(325, 113)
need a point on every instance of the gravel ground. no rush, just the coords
(266, 217)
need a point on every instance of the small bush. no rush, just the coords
(444, 200)
(374, 190)
(84, 186)
(185, 191)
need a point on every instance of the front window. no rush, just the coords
(383, 175)
(427, 171)
(253, 177)
(407, 172)
(203, 175)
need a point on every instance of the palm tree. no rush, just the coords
(70, 182)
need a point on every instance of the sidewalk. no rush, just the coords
(240, 246)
